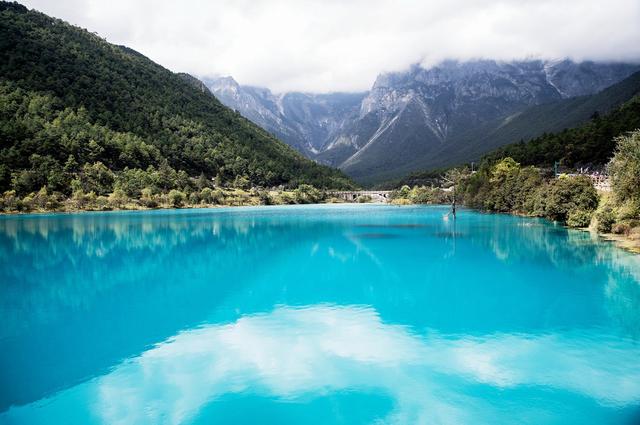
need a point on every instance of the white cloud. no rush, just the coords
(342, 45)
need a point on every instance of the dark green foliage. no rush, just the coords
(69, 99)
(508, 187)
(605, 218)
(559, 197)
(579, 218)
(625, 168)
(177, 198)
(306, 194)
(504, 187)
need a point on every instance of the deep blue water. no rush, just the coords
(314, 315)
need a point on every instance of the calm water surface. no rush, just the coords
(314, 315)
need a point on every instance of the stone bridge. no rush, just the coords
(353, 195)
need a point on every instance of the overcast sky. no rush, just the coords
(332, 45)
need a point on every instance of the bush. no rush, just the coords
(206, 195)
(604, 218)
(403, 192)
(96, 178)
(579, 218)
(194, 198)
(287, 198)
(265, 198)
(41, 199)
(117, 199)
(621, 228)
(177, 198)
(102, 202)
(630, 209)
(565, 194)
(625, 168)
(363, 199)
(9, 201)
(241, 182)
(147, 198)
(307, 194)
(421, 195)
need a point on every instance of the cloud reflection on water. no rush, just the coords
(292, 354)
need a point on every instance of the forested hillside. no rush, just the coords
(78, 112)
(591, 144)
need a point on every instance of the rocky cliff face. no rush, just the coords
(305, 121)
(412, 114)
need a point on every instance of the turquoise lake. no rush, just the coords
(334, 314)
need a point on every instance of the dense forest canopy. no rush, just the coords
(76, 110)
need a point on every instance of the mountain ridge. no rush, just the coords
(408, 117)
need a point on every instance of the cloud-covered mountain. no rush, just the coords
(409, 117)
(305, 121)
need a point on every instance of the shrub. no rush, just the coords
(91, 200)
(206, 195)
(604, 218)
(307, 194)
(363, 199)
(41, 198)
(97, 178)
(621, 228)
(421, 195)
(9, 201)
(625, 168)
(194, 198)
(287, 198)
(117, 199)
(579, 218)
(78, 199)
(102, 202)
(265, 198)
(563, 195)
(241, 182)
(400, 201)
(629, 209)
(404, 192)
(177, 198)
(27, 203)
(147, 198)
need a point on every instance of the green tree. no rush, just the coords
(177, 198)
(307, 194)
(97, 178)
(625, 169)
(563, 195)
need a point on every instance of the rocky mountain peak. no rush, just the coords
(413, 113)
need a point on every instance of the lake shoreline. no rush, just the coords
(625, 242)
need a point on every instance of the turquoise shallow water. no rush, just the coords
(314, 315)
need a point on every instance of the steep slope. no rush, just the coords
(423, 117)
(304, 121)
(535, 121)
(589, 145)
(158, 117)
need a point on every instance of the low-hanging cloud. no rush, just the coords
(334, 45)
